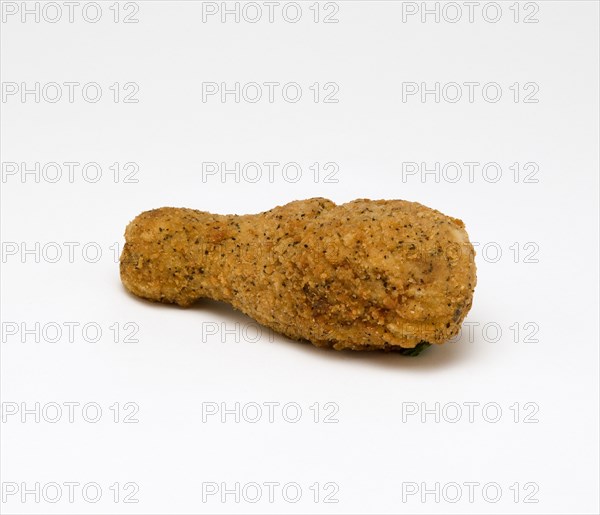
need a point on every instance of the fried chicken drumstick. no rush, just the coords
(369, 274)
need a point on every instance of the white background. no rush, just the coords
(180, 361)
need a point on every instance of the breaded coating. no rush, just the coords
(369, 274)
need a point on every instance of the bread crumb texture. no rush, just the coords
(369, 274)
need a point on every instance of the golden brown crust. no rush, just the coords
(362, 275)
